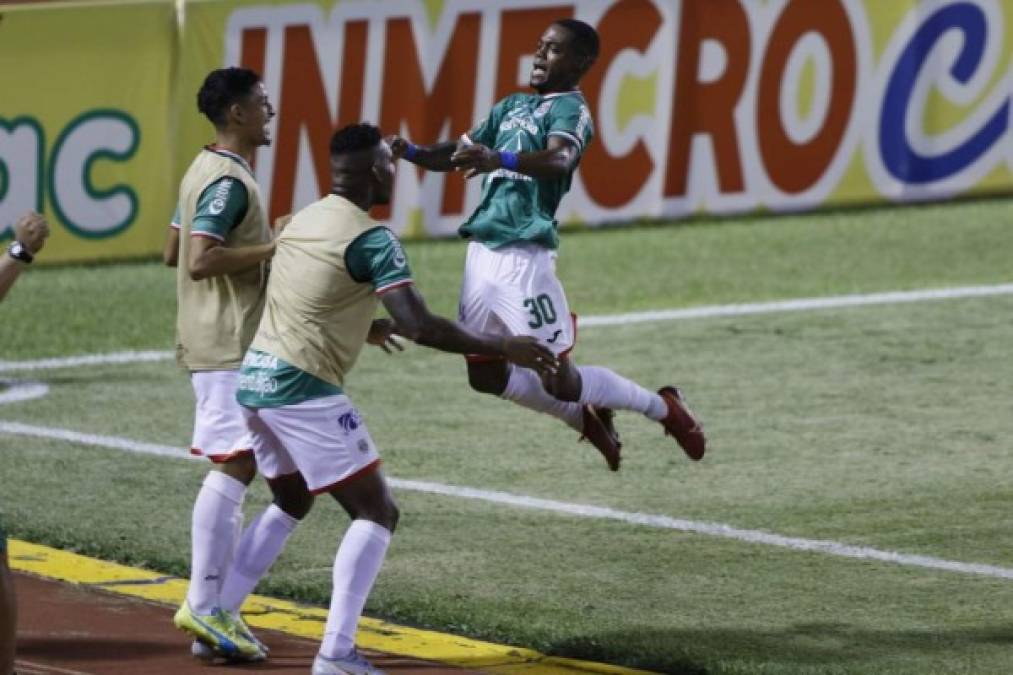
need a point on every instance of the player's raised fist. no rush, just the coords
(32, 230)
(398, 145)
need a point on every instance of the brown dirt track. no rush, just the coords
(66, 629)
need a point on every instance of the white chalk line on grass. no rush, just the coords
(705, 312)
(799, 305)
(87, 360)
(21, 391)
(832, 548)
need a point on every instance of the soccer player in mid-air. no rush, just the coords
(529, 147)
(333, 267)
(221, 243)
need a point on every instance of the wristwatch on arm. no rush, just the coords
(19, 251)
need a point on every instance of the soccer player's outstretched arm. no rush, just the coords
(415, 322)
(435, 157)
(559, 158)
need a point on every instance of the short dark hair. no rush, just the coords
(221, 89)
(584, 36)
(355, 137)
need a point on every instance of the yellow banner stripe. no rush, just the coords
(302, 620)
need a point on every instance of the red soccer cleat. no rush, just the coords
(680, 423)
(600, 432)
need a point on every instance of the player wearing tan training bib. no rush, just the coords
(333, 267)
(221, 243)
(217, 315)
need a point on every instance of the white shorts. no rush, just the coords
(324, 439)
(513, 290)
(220, 431)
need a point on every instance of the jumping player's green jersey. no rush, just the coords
(516, 207)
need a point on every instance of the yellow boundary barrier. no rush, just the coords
(302, 620)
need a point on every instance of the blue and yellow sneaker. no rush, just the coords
(245, 631)
(219, 631)
(207, 653)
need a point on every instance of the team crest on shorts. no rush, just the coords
(350, 421)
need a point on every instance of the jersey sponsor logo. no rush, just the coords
(220, 197)
(519, 119)
(260, 360)
(555, 336)
(512, 175)
(258, 382)
(350, 421)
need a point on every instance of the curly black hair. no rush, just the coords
(221, 89)
(585, 38)
(355, 137)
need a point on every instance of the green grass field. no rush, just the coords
(884, 426)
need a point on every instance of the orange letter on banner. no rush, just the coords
(794, 167)
(303, 105)
(708, 107)
(254, 46)
(519, 30)
(612, 181)
(405, 101)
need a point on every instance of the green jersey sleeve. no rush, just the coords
(376, 257)
(486, 131)
(221, 207)
(571, 119)
(176, 223)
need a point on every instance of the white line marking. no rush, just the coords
(22, 391)
(705, 312)
(96, 440)
(712, 529)
(86, 360)
(800, 305)
(581, 510)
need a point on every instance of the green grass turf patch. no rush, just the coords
(70, 310)
(884, 426)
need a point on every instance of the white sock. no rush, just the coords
(230, 557)
(217, 517)
(260, 545)
(355, 568)
(603, 388)
(525, 388)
